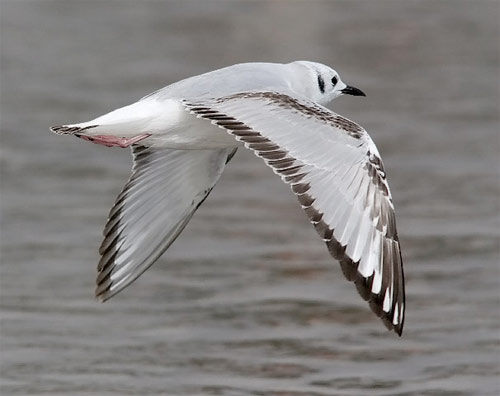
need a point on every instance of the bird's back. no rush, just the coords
(226, 81)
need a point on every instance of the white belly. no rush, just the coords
(171, 126)
(193, 133)
(168, 123)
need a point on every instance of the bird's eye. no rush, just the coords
(335, 80)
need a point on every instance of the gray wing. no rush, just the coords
(163, 192)
(336, 172)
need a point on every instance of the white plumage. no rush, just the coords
(183, 135)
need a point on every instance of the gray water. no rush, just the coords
(248, 301)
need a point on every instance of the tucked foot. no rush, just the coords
(111, 141)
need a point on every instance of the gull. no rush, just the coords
(182, 136)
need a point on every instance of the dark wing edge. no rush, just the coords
(390, 306)
(152, 209)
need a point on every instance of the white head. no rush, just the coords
(319, 82)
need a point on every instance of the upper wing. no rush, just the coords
(334, 168)
(163, 192)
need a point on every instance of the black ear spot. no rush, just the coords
(321, 84)
(335, 80)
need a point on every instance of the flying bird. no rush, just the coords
(182, 136)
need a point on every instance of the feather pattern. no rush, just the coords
(163, 192)
(334, 168)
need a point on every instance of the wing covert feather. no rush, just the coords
(334, 168)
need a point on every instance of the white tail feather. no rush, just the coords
(140, 117)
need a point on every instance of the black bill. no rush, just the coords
(353, 91)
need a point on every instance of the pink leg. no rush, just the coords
(110, 140)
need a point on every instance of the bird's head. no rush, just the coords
(321, 83)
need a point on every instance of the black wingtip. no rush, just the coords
(102, 293)
(399, 327)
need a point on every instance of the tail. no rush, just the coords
(126, 121)
(70, 129)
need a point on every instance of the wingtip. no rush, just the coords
(103, 289)
(399, 327)
(106, 287)
(103, 294)
(100, 298)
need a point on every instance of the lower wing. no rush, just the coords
(163, 192)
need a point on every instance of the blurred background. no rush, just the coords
(248, 301)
